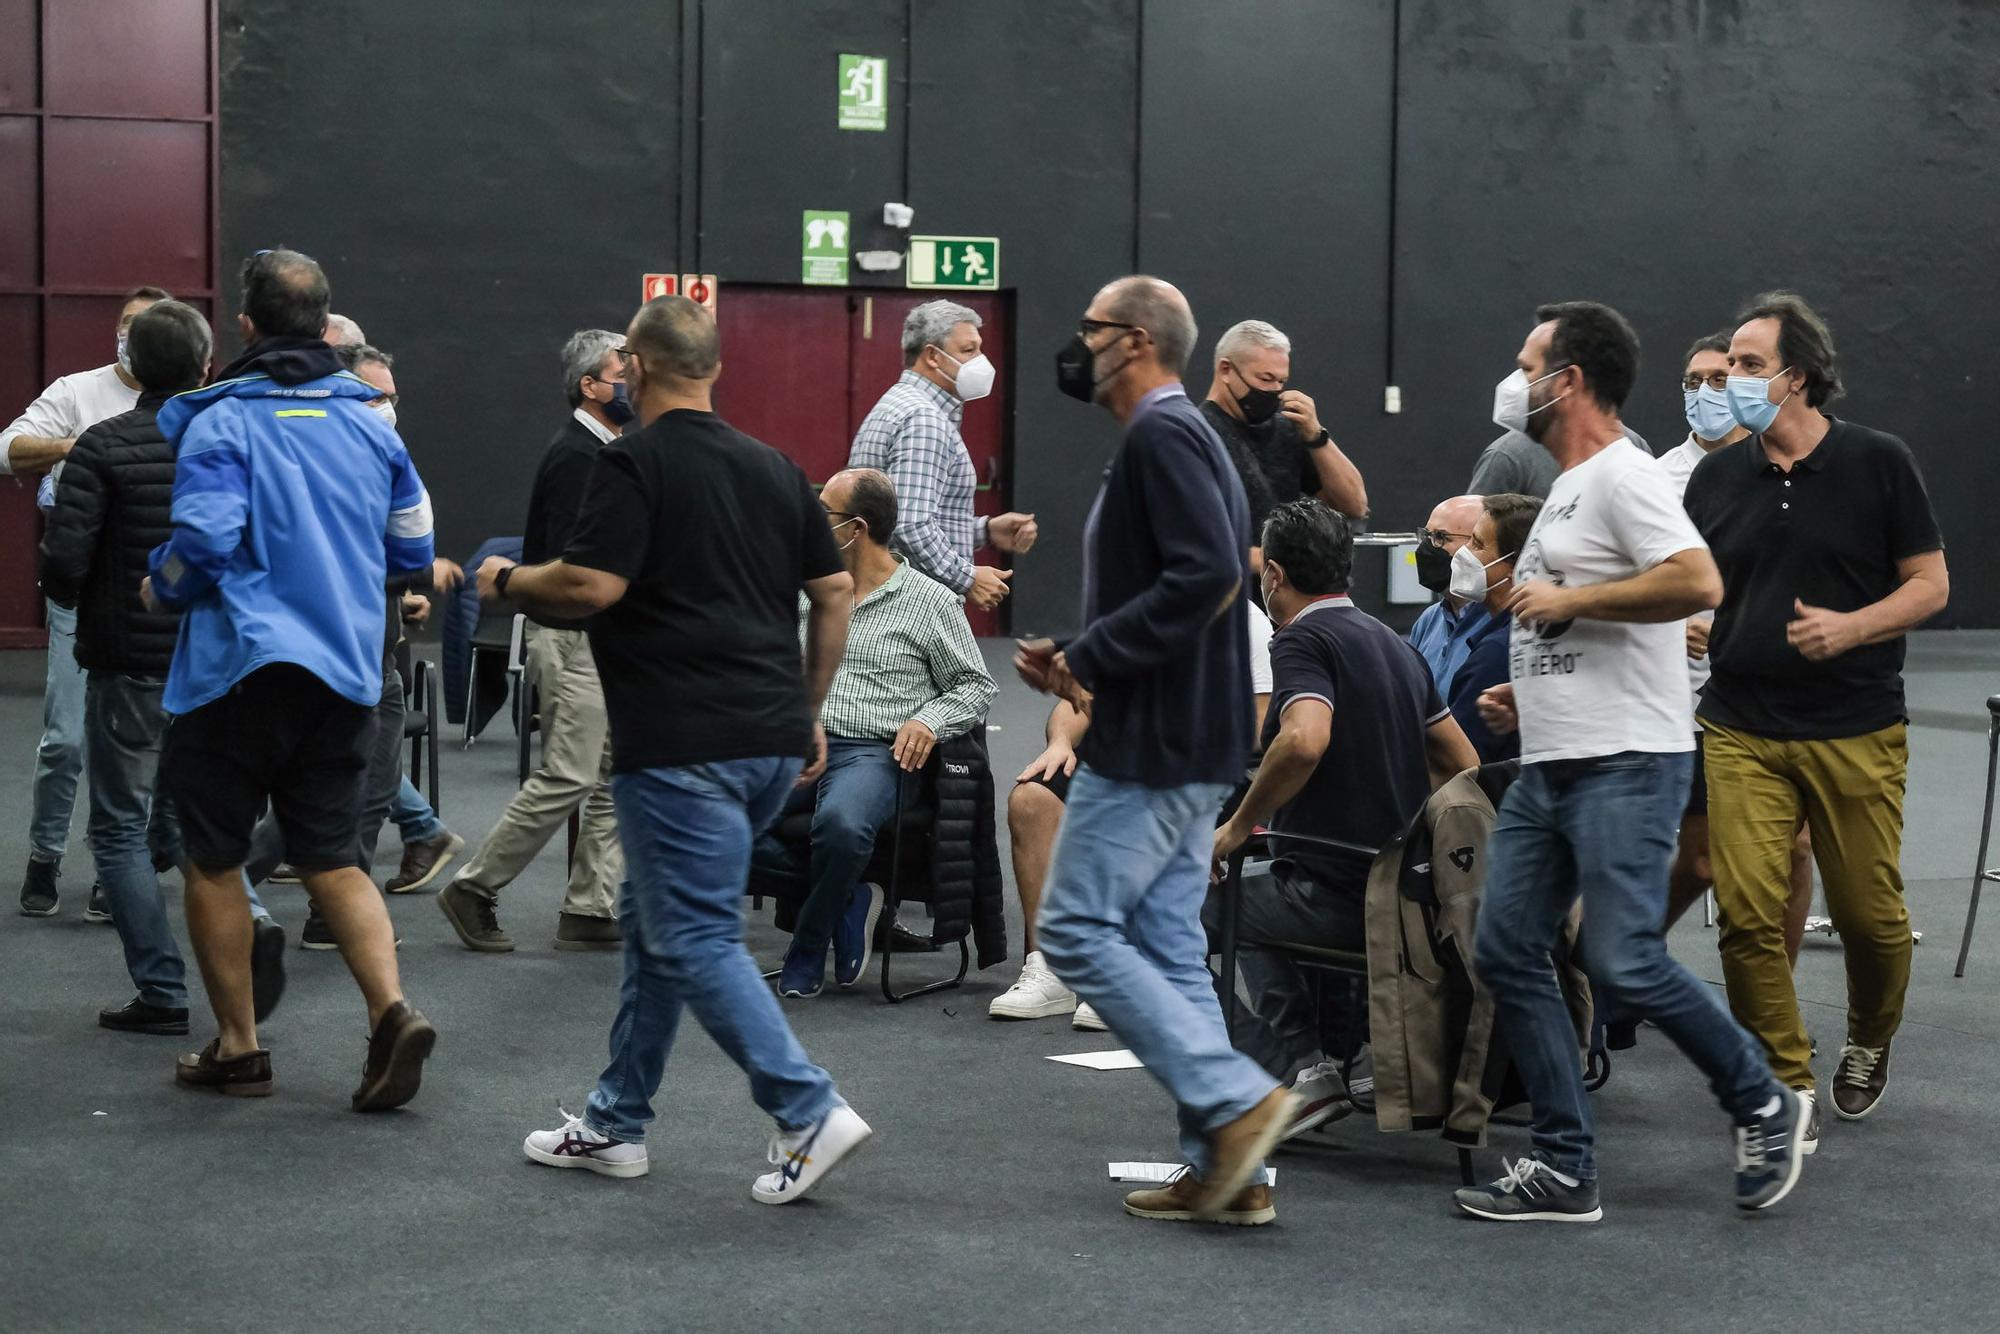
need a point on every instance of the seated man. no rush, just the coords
(1034, 814)
(1355, 741)
(1444, 630)
(1482, 572)
(910, 678)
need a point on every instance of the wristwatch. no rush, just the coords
(500, 579)
(1324, 437)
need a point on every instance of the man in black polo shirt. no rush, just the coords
(1164, 661)
(1355, 740)
(689, 554)
(1829, 553)
(1273, 433)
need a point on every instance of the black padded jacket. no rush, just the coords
(114, 504)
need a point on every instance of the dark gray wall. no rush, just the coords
(483, 182)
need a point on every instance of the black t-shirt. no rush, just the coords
(1275, 464)
(555, 500)
(717, 533)
(1828, 533)
(1375, 774)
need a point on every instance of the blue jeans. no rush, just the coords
(59, 760)
(125, 727)
(1602, 828)
(853, 799)
(687, 833)
(414, 818)
(1121, 925)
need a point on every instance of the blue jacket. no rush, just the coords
(1485, 666)
(293, 502)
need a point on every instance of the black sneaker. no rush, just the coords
(97, 910)
(1532, 1192)
(136, 1016)
(317, 934)
(267, 966)
(1769, 1154)
(39, 897)
(1860, 1080)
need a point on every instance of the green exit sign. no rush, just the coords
(962, 262)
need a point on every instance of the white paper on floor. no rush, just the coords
(1158, 1173)
(1102, 1060)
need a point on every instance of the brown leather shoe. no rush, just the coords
(422, 861)
(1860, 1080)
(1174, 1203)
(574, 931)
(1235, 1150)
(245, 1076)
(396, 1053)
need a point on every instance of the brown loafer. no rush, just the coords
(1174, 1203)
(1235, 1150)
(396, 1053)
(245, 1076)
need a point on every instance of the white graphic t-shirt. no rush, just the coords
(1587, 688)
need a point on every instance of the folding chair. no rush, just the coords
(422, 717)
(1981, 872)
(495, 633)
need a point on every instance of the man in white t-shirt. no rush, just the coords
(1611, 569)
(1711, 426)
(34, 445)
(1034, 814)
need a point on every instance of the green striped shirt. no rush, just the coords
(910, 656)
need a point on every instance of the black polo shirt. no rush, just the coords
(1828, 533)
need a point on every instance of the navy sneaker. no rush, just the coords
(804, 973)
(1769, 1153)
(1532, 1192)
(854, 933)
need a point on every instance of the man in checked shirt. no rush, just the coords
(912, 434)
(910, 678)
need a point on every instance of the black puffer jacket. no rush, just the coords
(114, 504)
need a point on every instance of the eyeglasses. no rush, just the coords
(391, 399)
(1437, 537)
(1714, 380)
(1089, 327)
(838, 514)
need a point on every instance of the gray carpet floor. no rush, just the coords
(127, 1204)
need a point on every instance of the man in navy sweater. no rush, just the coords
(1162, 667)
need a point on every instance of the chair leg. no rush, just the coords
(1232, 900)
(1979, 871)
(1464, 1166)
(895, 898)
(431, 736)
(471, 698)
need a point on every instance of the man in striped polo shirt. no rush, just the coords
(910, 678)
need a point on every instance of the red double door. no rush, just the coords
(802, 366)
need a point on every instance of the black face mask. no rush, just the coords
(1075, 369)
(1257, 405)
(1433, 567)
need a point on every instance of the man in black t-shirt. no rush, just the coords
(1355, 741)
(1830, 554)
(1273, 434)
(689, 553)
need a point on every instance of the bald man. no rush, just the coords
(1444, 633)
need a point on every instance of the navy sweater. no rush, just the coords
(1166, 652)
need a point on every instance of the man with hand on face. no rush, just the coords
(1830, 553)
(1599, 693)
(912, 434)
(1163, 669)
(1273, 434)
(1444, 631)
(910, 678)
(1482, 573)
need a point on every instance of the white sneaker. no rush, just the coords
(574, 1144)
(1087, 1021)
(1321, 1099)
(804, 1157)
(1036, 994)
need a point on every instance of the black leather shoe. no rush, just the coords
(39, 897)
(267, 966)
(136, 1016)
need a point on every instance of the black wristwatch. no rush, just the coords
(1324, 437)
(500, 579)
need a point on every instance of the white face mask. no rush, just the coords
(1468, 576)
(852, 540)
(124, 353)
(384, 409)
(1510, 400)
(975, 377)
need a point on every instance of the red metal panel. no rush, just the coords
(20, 527)
(132, 202)
(81, 333)
(18, 21)
(20, 202)
(135, 59)
(784, 371)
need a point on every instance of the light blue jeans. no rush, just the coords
(687, 833)
(1121, 926)
(126, 727)
(59, 761)
(414, 818)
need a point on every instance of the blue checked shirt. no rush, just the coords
(913, 436)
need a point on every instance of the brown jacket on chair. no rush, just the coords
(1438, 1064)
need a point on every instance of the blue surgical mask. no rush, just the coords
(1750, 400)
(618, 410)
(1708, 412)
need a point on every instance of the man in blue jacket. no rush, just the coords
(293, 502)
(1163, 669)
